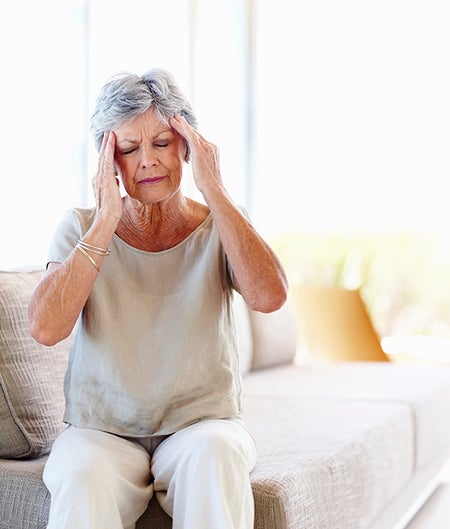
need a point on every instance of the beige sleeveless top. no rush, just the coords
(155, 346)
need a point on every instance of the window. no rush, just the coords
(62, 53)
(332, 118)
(41, 87)
(352, 160)
(353, 115)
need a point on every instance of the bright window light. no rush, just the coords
(353, 115)
(329, 115)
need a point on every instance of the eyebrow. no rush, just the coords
(135, 142)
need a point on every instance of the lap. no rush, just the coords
(87, 451)
(218, 438)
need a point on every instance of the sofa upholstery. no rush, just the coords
(343, 445)
(31, 394)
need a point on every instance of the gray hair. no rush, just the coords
(128, 95)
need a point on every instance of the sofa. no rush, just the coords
(350, 445)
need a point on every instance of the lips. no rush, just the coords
(151, 180)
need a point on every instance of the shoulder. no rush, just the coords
(79, 217)
(75, 223)
(84, 215)
(200, 212)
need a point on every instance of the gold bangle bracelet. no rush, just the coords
(84, 252)
(94, 249)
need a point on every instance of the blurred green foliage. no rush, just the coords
(404, 278)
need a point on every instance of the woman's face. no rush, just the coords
(149, 156)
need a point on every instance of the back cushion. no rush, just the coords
(275, 337)
(243, 332)
(31, 374)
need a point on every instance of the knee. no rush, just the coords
(78, 472)
(216, 444)
(219, 448)
(93, 476)
(89, 460)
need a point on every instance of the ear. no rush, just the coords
(187, 153)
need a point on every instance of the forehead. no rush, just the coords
(149, 124)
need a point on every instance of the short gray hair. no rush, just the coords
(128, 95)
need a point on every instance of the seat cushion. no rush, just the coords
(31, 375)
(24, 499)
(323, 463)
(425, 389)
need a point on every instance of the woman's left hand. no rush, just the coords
(205, 155)
(257, 273)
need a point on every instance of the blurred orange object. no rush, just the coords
(335, 325)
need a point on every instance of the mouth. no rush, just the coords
(152, 180)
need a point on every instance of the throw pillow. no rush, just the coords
(31, 374)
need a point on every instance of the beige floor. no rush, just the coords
(435, 513)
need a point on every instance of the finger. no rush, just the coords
(183, 127)
(104, 143)
(175, 122)
(106, 158)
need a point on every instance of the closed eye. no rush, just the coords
(128, 151)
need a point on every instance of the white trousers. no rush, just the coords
(200, 476)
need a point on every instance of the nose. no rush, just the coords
(149, 157)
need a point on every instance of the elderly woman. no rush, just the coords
(152, 386)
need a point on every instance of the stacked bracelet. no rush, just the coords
(94, 249)
(84, 252)
(85, 247)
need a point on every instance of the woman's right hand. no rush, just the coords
(61, 295)
(105, 183)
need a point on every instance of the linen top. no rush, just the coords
(155, 344)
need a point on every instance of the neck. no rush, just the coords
(158, 226)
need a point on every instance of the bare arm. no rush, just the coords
(61, 295)
(258, 273)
